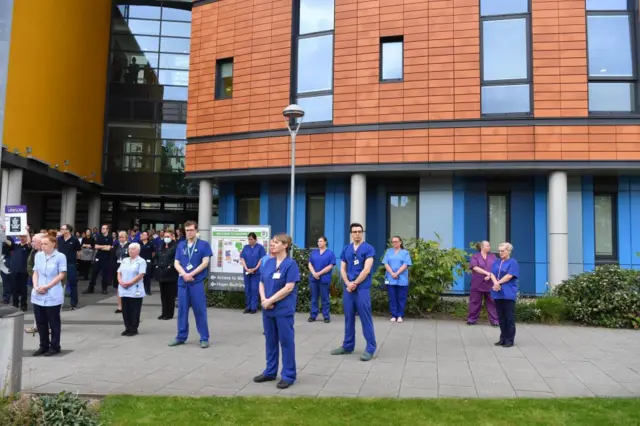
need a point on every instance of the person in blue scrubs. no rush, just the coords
(321, 263)
(279, 295)
(356, 262)
(250, 258)
(504, 276)
(396, 262)
(192, 263)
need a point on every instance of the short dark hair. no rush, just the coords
(252, 235)
(191, 223)
(324, 238)
(355, 225)
(69, 227)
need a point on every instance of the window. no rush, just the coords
(391, 59)
(313, 84)
(248, 211)
(499, 222)
(610, 47)
(315, 219)
(224, 78)
(403, 216)
(605, 227)
(506, 53)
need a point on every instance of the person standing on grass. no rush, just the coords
(192, 263)
(250, 257)
(481, 265)
(356, 262)
(396, 263)
(321, 263)
(279, 295)
(504, 275)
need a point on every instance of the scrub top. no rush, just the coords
(130, 268)
(319, 261)
(134, 239)
(355, 262)
(193, 256)
(274, 279)
(69, 248)
(48, 267)
(263, 261)
(478, 283)
(147, 250)
(252, 255)
(396, 260)
(19, 255)
(509, 290)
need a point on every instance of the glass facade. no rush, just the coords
(403, 216)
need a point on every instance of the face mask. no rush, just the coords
(167, 240)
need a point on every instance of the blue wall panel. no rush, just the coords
(460, 232)
(264, 203)
(625, 253)
(540, 233)
(299, 237)
(634, 195)
(588, 224)
(523, 232)
(376, 226)
(277, 208)
(336, 214)
(576, 255)
(227, 204)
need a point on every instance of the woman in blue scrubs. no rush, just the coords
(504, 276)
(321, 263)
(397, 261)
(279, 294)
(250, 257)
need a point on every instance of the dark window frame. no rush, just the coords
(246, 197)
(390, 194)
(309, 243)
(219, 91)
(634, 38)
(390, 40)
(507, 195)
(613, 259)
(512, 82)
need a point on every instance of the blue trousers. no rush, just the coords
(358, 301)
(278, 332)
(319, 290)
(397, 299)
(251, 286)
(192, 295)
(72, 283)
(6, 287)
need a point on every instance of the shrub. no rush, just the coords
(63, 409)
(608, 297)
(551, 309)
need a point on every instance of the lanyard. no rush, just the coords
(190, 251)
(46, 261)
(500, 269)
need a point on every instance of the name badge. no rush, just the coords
(189, 267)
(138, 294)
(119, 261)
(356, 262)
(148, 261)
(246, 272)
(276, 275)
(386, 282)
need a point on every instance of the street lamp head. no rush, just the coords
(293, 111)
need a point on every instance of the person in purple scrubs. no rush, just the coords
(480, 265)
(397, 261)
(321, 263)
(504, 275)
(251, 258)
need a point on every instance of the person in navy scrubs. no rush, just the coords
(396, 261)
(103, 246)
(147, 252)
(192, 263)
(504, 276)
(356, 262)
(279, 295)
(251, 257)
(69, 245)
(321, 263)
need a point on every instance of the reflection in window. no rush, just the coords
(136, 43)
(139, 26)
(174, 61)
(248, 211)
(171, 14)
(605, 226)
(610, 58)
(498, 219)
(174, 93)
(506, 79)
(173, 131)
(391, 61)
(224, 78)
(175, 45)
(316, 109)
(315, 219)
(315, 64)
(145, 12)
(403, 216)
(316, 16)
(174, 78)
(176, 29)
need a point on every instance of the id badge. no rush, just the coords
(119, 261)
(276, 275)
(148, 261)
(138, 294)
(246, 272)
(189, 267)
(386, 282)
(356, 262)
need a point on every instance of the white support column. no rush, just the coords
(14, 188)
(5, 190)
(359, 199)
(558, 229)
(205, 210)
(94, 212)
(68, 206)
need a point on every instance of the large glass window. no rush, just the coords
(506, 52)
(610, 47)
(314, 50)
(248, 211)
(315, 219)
(224, 78)
(391, 58)
(498, 219)
(605, 226)
(403, 216)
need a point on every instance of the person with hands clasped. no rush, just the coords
(321, 263)
(396, 263)
(251, 258)
(504, 276)
(279, 295)
(356, 262)
(192, 261)
(131, 288)
(47, 295)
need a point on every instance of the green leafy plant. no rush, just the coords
(551, 309)
(63, 409)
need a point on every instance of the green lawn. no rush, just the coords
(175, 411)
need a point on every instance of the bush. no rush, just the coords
(608, 297)
(551, 309)
(63, 409)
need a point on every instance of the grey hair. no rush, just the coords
(134, 246)
(39, 236)
(507, 246)
(123, 233)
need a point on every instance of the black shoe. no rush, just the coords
(327, 320)
(149, 293)
(262, 378)
(500, 343)
(311, 319)
(495, 325)
(40, 351)
(124, 333)
(51, 352)
(283, 385)
(246, 311)
(471, 323)
(73, 308)
(167, 318)
(132, 333)
(161, 317)
(88, 291)
(118, 311)
(508, 345)
(23, 308)
(104, 292)
(254, 312)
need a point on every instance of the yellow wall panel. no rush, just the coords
(57, 82)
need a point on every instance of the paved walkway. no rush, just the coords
(419, 358)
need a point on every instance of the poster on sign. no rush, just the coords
(227, 241)
(15, 220)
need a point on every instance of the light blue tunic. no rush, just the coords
(130, 268)
(395, 261)
(48, 267)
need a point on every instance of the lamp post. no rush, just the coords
(293, 117)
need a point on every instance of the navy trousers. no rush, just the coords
(507, 318)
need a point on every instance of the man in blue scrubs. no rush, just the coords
(251, 257)
(69, 245)
(355, 269)
(192, 264)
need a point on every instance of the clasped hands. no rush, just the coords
(267, 303)
(42, 289)
(351, 286)
(496, 286)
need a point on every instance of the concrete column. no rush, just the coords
(558, 229)
(94, 212)
(205, 206)
(14, 188)
(68, 206)
(359, 199)
(5, 190)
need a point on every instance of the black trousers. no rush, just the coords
(84, 268)
(131, 308)
(19, 289)
(48, 317)
(100, 267)
(506, 310)
(168, 294)
(147, 282)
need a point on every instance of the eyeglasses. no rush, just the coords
(190, 230)
(356, 232)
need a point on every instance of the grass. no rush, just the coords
(175, 411)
